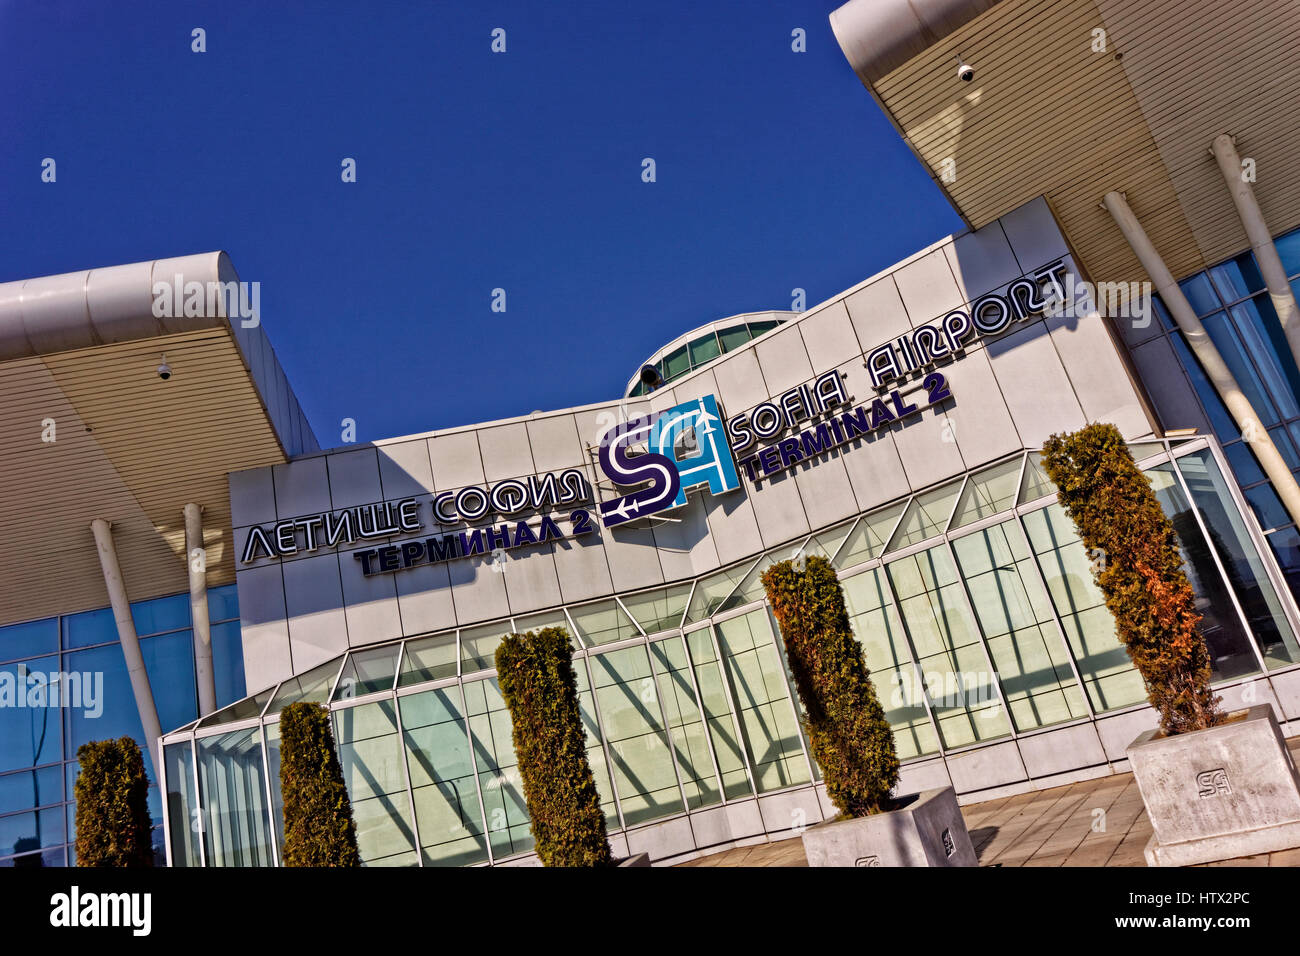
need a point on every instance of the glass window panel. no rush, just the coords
(705, 349)
(1142, 450)
(241, 710)
(751, 588)
(1286, 547)
(988, 492)
(169, 661)
(676, 364)
(272, 732)
(1224, 427)
(1237, 278)
(1162, 311)
(371, 757)
(44, 859)
(718, 715)
(478, 646)
(963, 693)
(228, 662)
(1230, 653)
(1103, 662)
(733, 338)
(829, 542)
(770, 733)
(223, 603)
(25, 832)
(630, 715)
(1245, 466)
(1262, 336)
(602, 623)
(868, 537)
(368, 671)
(1281, 438)
(314, 686)
(710, 592)
(447, 809)
(233, 795)
(498, 772)
(1245, 570)
(161, 614)
(428, 659)
(89, 627)
(659, 610)
(595, 750)
(182, 804)
(926, 516)
(29, 789)
(30, 639)
(759, 328)
(1016, 617)
(685, 723)
(1228, 341)
(1288, 249)
(1035, 484)
(880, 632)
(1200, 293)
(1270, 513)
(29, 726)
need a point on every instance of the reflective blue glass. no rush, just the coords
(1286, 546)
(1288, 249)
(31, 788)
(89, 627)
(1244, 464)
(1226, 339)
(1286, 447)
(46, 858)
(1162, 312)
(161, 614)
(117, 716)
(169, 661)
(1261, 334)
(1200, 294)
(29, 727)
(1237, 278)
(1225, 429)
(228, 663)
(24, 832)
(30, 639)
(1268, 509)
(223, 603)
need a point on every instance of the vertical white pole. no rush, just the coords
(196, 563)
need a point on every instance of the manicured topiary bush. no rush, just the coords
(318, 826)
(535, 671)
(112, 789)
(1139, 571)
(847, 731)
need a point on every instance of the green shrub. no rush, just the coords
(847, 731)
(112, 790)
(535, 671)
(1141, 571)
(318, 827)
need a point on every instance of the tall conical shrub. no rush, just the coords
(535, 671)
(1140, 571)
(112, 790)
(318, 826)
(847, 731)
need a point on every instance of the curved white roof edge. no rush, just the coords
(76, 310)
(878, 36)
(719, 325)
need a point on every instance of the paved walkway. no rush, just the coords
(1094, 823)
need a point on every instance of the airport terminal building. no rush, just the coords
(188, 539)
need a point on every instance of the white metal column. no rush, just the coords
(1220, 376)
(196, 565)
(126, 635)
(1224, 150)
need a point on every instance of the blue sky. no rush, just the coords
(475, 171)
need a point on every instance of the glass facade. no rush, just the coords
(974, 601)
(704, 349)
(1234, 306)
(63, 683)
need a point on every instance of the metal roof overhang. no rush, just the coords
(1051, 112)
(90, 430)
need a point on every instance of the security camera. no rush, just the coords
(650, 377)
(164, 370)
(965, 72)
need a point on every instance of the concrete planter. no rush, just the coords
(1221, 793)
(639, 859)
(927, 831)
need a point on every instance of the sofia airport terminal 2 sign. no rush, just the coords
(664, 455)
